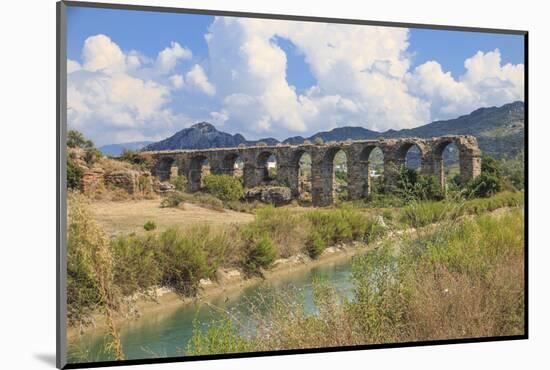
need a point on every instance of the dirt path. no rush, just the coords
(129, 216)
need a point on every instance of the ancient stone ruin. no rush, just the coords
(189, 163)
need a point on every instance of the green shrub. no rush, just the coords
(485, 185)
(142, 161)
(149, 225)
(172, 200)
(187, 256)
(92, 155)
(262, 254)
(75, 139)
(136, 268)
(74, 175)
(316, 245)
(224, 187)
(179, 182)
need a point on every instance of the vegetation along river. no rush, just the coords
(165, 334)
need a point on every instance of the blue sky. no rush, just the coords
(307, 84)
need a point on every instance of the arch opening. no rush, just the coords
(304, 177)
(234, 165)
(267, 167)
(372, 159)
(199, 168)
(165, 168)
(448, 156)
(337, 161)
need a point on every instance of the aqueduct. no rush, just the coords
(255, 171)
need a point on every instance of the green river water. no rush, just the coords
(166, 334)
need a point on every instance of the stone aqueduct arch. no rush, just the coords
(222, 160)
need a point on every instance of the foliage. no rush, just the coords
(74, 175)
(75, 139)
(136, 268)
(186, 257)
(172, 200)
(318, 141)
(262, 254)
(412, 186)
(149, 225)
(179, 182)
(221, 337)
(141, 160)
(485, 185)
(90, 271)
(224, 187)
(462, 280)
(92, 155)
(513, 170)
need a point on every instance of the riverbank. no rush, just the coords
(230, 282)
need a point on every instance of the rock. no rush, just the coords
(91, 179)
(163, 187)
(204, 283)
(224, 275)
(380, 221)
(277, 195)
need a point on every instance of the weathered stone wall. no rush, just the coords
(255, 172)
(92, 178)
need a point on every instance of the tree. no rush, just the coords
(75, 139)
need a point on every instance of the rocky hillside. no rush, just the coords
(203, 135)
(499, 130)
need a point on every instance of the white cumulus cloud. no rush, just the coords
(113, 97)
(197, 78)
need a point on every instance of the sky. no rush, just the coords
(135, 75)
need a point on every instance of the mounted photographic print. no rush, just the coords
(236, 184)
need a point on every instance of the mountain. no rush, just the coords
(499, 130)
(204, 135)
(115, 150)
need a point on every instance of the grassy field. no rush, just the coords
(129, 216)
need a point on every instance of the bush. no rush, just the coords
(142, 161)
(75, 139)
(318, 141)
(187, 256)
(92, 155)
(179, 182)
(74, 175)
(172, 200)
(136, 268)
(149, 225)
(224, 187)
(317, 245)
(262, 254)
(485, 185)
(412, 186)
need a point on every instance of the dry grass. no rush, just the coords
(129, 216)
(464, 280)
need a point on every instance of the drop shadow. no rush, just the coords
(47, 358)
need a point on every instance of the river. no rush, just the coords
(166, 334)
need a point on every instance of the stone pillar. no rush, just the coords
(470, 167)
(358, 179)
(321, 179)
(250, 179)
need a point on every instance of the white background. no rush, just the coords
(27, 182)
